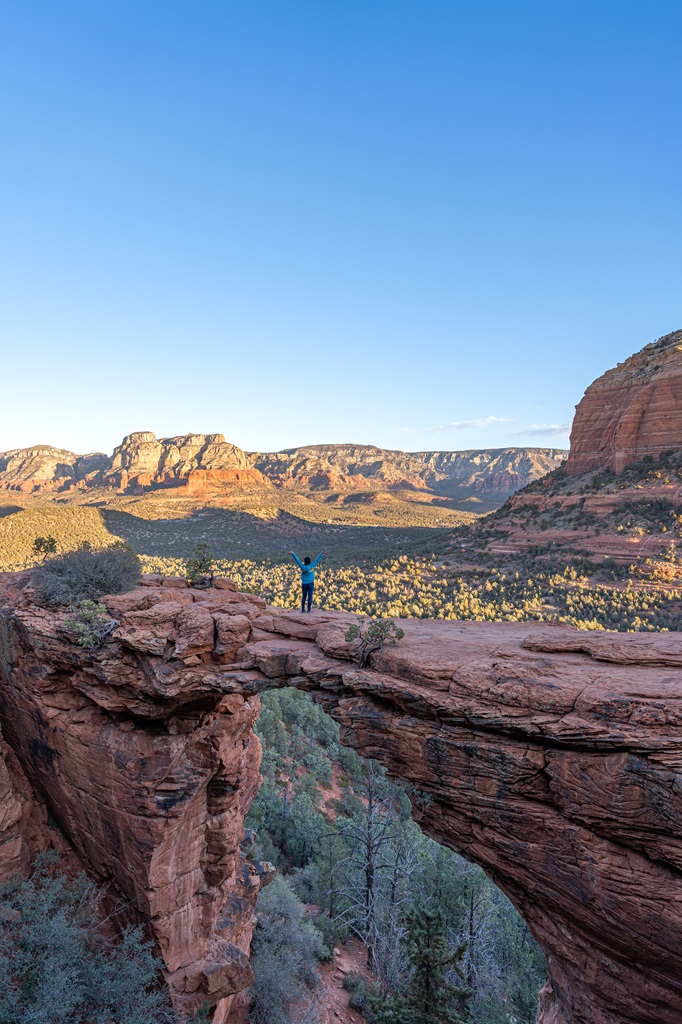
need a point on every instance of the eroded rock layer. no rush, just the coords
(632, 411)
(550, 757)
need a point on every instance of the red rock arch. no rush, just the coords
(551, 758)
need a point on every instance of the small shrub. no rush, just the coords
(86, 575)
(353, 982)
(366, 999)
(91, 624)
(372, 638)
(200, 566)
(44, 546)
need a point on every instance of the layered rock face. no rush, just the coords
(550, 757)
(326, 467)
(194, 462)
(631, 411)
(151, 789)
(23, 819)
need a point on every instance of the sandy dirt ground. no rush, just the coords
(329, 1002)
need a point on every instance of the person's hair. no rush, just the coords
(306, 560)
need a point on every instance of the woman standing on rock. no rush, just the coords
(307, 577)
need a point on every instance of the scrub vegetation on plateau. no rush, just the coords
(377, 571)
(428, 587)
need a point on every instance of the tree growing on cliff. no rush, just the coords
(90, 624)
(200, 566)
(367, 638)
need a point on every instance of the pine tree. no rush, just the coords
(431, 998)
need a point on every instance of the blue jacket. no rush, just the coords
(307, 571)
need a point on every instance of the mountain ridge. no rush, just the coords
(196, 462)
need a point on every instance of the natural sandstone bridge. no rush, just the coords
(552, 758)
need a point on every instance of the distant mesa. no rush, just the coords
(206, 464)
(631, 411)
(493, 471)
(195, 462)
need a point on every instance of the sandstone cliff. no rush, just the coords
(605, 502)
(631, 411)
(23, 818)
(550, 757)
(150, 788)
(194, 462)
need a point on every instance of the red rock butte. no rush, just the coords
(550, 757)
(632, 411)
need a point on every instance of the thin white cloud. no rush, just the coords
(484, 421)
(544, 429)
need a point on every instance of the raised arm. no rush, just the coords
(318, 559)
(298, 561)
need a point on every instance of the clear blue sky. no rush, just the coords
(423, 224)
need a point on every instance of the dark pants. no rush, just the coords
(307, 595)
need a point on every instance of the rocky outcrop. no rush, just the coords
(632, 411)
(563, 522)
(141, 453)
(550, 757)
(151, 789)
(197, 462)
